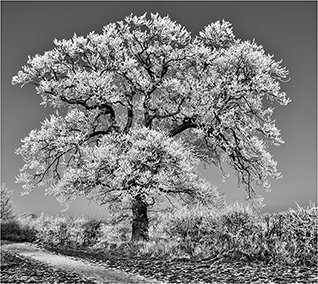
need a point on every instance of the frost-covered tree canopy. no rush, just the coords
(145, 101)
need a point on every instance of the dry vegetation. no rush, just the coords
(195, 238)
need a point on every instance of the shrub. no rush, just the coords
(76, 232)
(92, 231)
(113, 235)
(60, 230)
(6, 208)
(190, 226)
(239, 231)
(239, 228)
(14, 230)
(292, 236)
(9, 228)
(47, 232)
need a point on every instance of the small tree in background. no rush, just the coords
(142, 103)
(7, 209)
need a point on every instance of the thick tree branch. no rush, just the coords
(187, 123)
(130, 114)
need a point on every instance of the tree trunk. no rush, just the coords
(140, 222)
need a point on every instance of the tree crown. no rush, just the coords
(150, 72)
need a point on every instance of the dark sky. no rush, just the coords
(288, 30)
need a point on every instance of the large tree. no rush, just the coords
(143, 103)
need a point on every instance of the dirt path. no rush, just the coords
(98, 273)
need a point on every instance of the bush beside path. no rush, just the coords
(187, 245)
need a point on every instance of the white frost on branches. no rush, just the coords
(146, 88)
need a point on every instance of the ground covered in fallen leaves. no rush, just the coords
(185, 270)
(17, 269)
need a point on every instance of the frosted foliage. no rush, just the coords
(6, 208)
(218, 34)
(142, 82)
